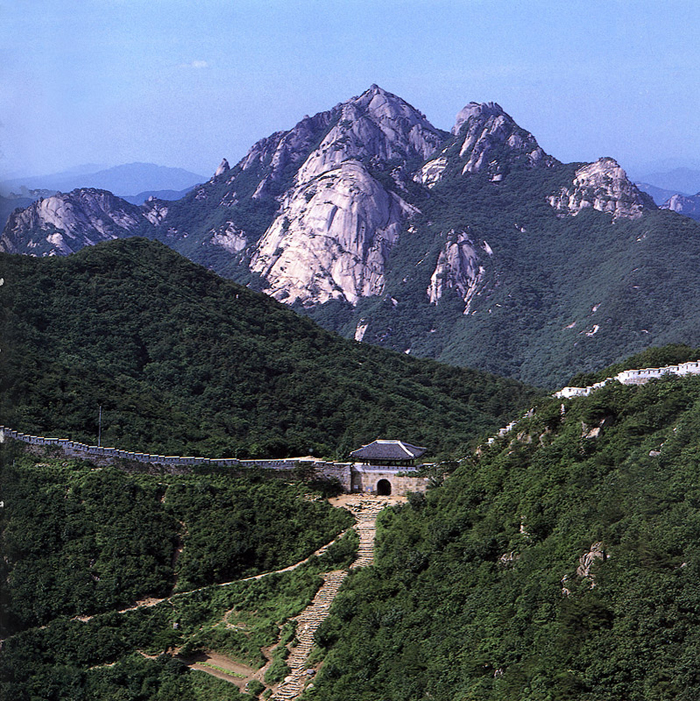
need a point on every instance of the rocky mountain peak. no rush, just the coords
(688, 206)
(64, 223)
(487, 132)
(604, 186)
(489, 141)
(480, 111)
(377, 124)
(223, 168)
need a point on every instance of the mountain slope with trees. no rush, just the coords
(184, 362)
(86, 549)
(473, 247)
(559, 562)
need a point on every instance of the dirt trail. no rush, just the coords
(365, 509)
(151, 601)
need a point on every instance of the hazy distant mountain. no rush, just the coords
(688, 206)
(472, 246)
(683, 181)
(659, 195)
(167, 195)
(129, 179)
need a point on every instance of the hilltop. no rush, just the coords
(184, 362)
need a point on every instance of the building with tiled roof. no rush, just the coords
(386, 452)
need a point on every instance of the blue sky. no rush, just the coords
(185, 83)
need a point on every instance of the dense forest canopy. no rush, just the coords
(560, 562)
(183, 362)
(79, 539)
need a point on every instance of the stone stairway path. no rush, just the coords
(365, 510)
(308, 622)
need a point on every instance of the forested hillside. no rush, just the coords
(85, 550)
(184, 362)
(561, 562)
(105, 538)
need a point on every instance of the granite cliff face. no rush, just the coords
(332, 238)
(337, 224)
(604, 186)
(460, 266)
(473, 246)
(488, 141)
(65, 223)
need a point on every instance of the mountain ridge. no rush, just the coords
(382, 227)
(128, 179)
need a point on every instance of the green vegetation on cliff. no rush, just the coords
(184, 362)
(482, 590)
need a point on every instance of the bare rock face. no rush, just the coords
(459, 266)
(336, 226)
(688, 206)
(332, 238)
(275, 155)
(377, 125)
(229, 237)
(604, 186)
(223, 168)
(486, 127)
(585, 562)
(431, 173)
(155, 210)
(491, 142)
(64, 223)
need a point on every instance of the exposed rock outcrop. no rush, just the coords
(585, 562)
(155, 210)
(332, 238)
(491, 142)
(223, 168)
(459, 267)
(229, 238)
(375, 125)
(65, 223)
(604, 186)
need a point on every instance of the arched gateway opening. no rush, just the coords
(384, 488)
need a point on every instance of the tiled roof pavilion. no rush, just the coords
(385, 452)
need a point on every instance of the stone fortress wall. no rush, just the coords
(626, 377)
(354, 477)
(632, 377)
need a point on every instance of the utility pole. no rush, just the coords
(99, 434)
